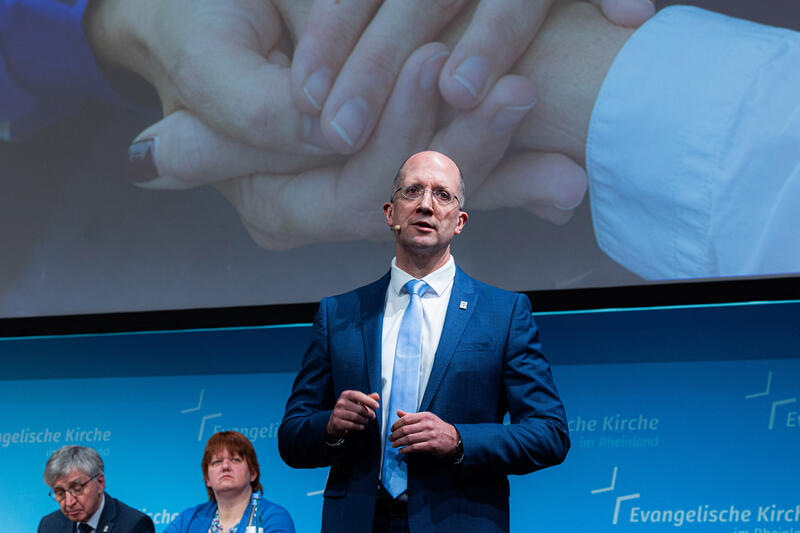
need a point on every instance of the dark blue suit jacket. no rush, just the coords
(487, 363)
(115, 518)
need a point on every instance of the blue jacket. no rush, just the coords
(487, 364)
(274, 519)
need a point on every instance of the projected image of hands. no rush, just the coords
(600, 144)
(300, 112)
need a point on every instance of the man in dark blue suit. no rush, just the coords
(77, 482)
(442, 464)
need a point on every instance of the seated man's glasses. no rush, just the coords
(76, 489)
(415, 192)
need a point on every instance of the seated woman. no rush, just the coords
(231, 472)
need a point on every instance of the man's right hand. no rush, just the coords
(352, 412)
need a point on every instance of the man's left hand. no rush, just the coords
(423, 432)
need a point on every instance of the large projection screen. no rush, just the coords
(77, 237)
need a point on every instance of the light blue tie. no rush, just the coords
(405, 384)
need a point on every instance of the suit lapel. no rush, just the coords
(108, 516)
(455, 321)
(67, 525)
(372, 299)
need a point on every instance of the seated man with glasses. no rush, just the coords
(75, 477)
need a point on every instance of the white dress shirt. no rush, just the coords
(693, 150)
(434, 309)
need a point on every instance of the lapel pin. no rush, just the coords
(462, 305)
(105, 529)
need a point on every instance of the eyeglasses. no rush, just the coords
(76, 489)
(415, 192)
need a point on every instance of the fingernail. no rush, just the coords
(350, 120)
(508, 117)
(568, 205)
(472, 74)
(429, 73)
(648, 7)
(634, 14)
(317, 87)
(140, 166)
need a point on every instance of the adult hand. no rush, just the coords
(225, 62)
(348, 58)
(423, 433)
(352, 412)
(338, 202)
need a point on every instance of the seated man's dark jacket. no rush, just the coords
(115, 518)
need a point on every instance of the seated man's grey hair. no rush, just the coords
(69, 458)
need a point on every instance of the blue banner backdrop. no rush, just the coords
(701, 443)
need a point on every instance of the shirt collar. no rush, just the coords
(439, 279)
